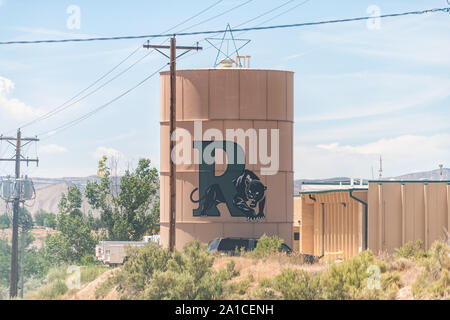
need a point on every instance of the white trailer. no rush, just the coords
(115, 252)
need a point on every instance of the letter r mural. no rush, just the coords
(240, 189)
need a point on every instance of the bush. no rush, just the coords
(141, 264)
(87, 260)
(298, 285)
(152, 272)
(90, 273)
(5, 221)
(435, 279)
(411, 250)
(266, 246)
(349, 279)
(53, 290)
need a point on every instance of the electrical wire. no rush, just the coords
(59, 107)
(257, 17)
(98, 88)
(64, 106)
(282, 13)
(217, 16)
(74, 122)
(283, 26)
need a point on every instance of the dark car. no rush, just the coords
(232, 245)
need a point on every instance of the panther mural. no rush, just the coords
(239, 188)
(250, 193)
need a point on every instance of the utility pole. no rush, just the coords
(172, 125)
(18, 158)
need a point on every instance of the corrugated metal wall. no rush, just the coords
(342, 232)
(400, 212)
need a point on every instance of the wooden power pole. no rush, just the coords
(172, 124)
(18, 158)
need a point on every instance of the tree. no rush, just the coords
(5, 221)
(25, 219)
(5, 262)
(45, 219)
(75, 238)
(131, 210)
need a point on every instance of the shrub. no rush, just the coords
(264, 290)
(90, 273)
(141, 264)
(154, 273)
(57, 273)
(435, 278)
(348, 280)
(52, 290)
(297, 285)
(266, 246)
(411, 250)
(87, 260)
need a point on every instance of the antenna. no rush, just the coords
(380, 171)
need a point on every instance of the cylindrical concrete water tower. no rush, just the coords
(219, 204)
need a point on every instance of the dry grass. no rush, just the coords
(87, 292)
(39, 234)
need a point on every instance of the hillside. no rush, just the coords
(48, 196)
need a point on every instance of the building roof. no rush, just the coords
(330, 187)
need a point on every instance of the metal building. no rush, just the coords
(332, 220)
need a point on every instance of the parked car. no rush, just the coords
(231, 245)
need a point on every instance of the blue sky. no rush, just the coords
(359, 92)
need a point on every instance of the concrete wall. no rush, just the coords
(400, 212)
(229, 99)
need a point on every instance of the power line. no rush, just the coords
(260, 16)
(266, 13)
(284, 12)
(55, 110)
(216, 16)
(50, 114)
(196, 15)
(284, 26)
(64, 105)
(72, 123)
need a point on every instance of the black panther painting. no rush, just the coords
(249, 197)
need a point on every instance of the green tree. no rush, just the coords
(75, 238)
(25, 219)
(5, 262)
(5, 221)
(45, 219)
(131, 210)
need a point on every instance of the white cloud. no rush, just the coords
(109, 152)
(13, 108)
(402, 154)
(52, 149)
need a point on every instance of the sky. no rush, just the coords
(362, 90)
